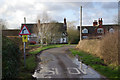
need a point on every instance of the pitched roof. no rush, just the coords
(30, 26)
(92, 28)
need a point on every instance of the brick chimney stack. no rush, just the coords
(65, 24)
(25, 20)
(38, 24)
(100, 21)
(95, 23)
(64, 21)
(38, 21)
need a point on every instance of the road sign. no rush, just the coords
(24, 31)
(25, 38)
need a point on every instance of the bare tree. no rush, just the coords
(3, 24)
(73, 33)
(54, 32)
(42, 26)
(45, 30)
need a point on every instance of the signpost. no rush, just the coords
(24, 32)
(25, 38)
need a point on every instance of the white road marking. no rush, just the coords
(83, 71)
(69, 70)
(50, 72)
(56, 70)
(47, 76)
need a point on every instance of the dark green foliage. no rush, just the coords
(10, 58)
(73, 36)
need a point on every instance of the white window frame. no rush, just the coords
(111, 30)
(98, 30)
(85, 37)
(85, 30)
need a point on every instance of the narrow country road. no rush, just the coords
(59, 63)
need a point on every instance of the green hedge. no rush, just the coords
(10, 58)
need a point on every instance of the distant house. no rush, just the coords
(98, 30)
(63, 29)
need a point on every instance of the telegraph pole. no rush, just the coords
(80, 33)
(80, 23)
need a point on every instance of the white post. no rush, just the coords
(79, 59)
(80, 23)
(24, 56)
(80, 65)
(0, 52)
(24, 47)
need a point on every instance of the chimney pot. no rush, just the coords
(100, 21)
(95, 23)
(25, 20)
(39, 21)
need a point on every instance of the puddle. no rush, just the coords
(86, 70)
(81, 69)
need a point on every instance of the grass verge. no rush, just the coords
(97, 64)
(44, 48)
(31, 63)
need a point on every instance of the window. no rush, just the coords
(100, 30)
(85, 30)
(85, 37)
(99, 36)
(64, 34)
(63, 40)
(111, 30)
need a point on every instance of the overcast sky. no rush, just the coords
(14, 11)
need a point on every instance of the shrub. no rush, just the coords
(10, 58)
(73, 36)
(109, 48)
(17, 41)
(106, 48)
(91, 46)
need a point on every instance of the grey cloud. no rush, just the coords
(57, 10)
(110, 5)
(67, 5)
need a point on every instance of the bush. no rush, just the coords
(17, 41)
(73, 36)
(109, 49)
(91, 46)
(10, 58)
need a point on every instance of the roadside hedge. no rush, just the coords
(10, 58)
(107, 48)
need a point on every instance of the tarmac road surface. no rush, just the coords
(60, 63)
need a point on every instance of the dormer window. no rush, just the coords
(100, 30)
(85, 30)
(111, 30)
